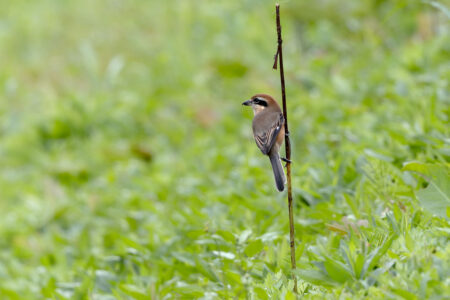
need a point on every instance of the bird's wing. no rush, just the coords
(266, 138)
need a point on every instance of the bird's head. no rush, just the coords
(260, 102)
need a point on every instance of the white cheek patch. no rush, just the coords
(257, 108)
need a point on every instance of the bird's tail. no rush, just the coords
(278, 171)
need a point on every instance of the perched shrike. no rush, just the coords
(268, 131)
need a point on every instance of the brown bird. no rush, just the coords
(268, 131)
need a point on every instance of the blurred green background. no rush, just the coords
(128, 168)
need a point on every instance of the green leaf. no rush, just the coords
(253, 248)
(359, 265)
(289, 296)
(189, 290)
(233, 277)
(314, 277)
(260, 293)
(133, 291)
(405, 294)
(375, 255)
(337, 270)
(418, 167)
(435, 198)
(371, 153)
(184, 257)
(227, 235)
(244, 236)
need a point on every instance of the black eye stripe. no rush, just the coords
(260, 101)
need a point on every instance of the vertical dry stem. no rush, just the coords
(279, 57)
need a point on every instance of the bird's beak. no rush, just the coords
(247, 103)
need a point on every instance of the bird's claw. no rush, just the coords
(286, 160)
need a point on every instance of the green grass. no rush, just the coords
(128, 168)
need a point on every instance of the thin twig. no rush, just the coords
(279, 57)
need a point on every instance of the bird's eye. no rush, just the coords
(260, 101)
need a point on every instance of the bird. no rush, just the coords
(268, 131)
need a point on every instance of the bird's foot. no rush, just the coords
(286, 160)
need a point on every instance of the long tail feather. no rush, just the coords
(278, 171)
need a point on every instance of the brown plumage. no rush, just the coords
(268, 131)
